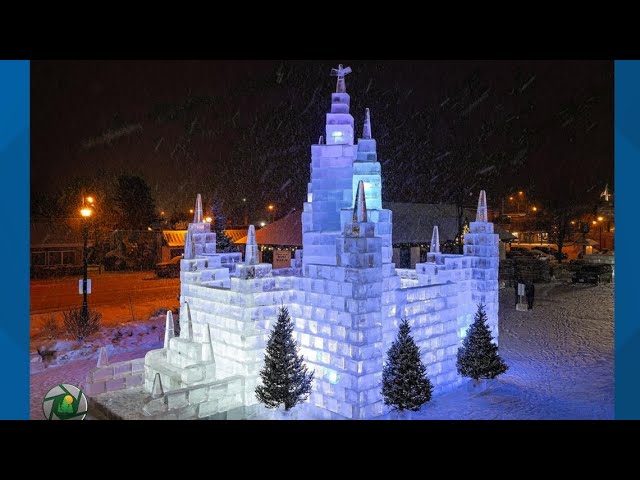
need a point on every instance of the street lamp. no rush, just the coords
(86, 213)
(271, 209)
(208, 219)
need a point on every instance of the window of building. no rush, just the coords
(38, 258)
(55, 258)
(68, 258)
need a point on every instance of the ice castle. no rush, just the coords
(344, 294)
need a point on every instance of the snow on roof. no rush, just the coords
(284, 232)
(174, 238)
(412, 223)
(236, 234)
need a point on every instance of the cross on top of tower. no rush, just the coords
(340, 72)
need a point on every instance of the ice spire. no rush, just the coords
(206, 342)
(188, 328)
(340, 72)
(321, 140)
(360, 207)
(197, 215)
(435, 240)
(251, 251)
(189, 246)
(366, 131)
(168, 329)
(157, 391)
(481, 215)
(103, 359)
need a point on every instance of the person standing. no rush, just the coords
(530, 293)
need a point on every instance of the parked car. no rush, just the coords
(591, 273)
(551, 251)
(543, 255)
(170, 269)
(521, 252)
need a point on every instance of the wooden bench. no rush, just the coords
(94, 268)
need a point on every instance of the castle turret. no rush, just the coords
(481, 244)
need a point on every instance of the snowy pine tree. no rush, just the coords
(223, 242)
(285, 379)
(405, 385)
(478, 356)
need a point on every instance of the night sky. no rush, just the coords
(235, 129)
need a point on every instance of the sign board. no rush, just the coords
(281, 259)
(88, 286)
(521, 289)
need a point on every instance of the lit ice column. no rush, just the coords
(251, 253)
(481, 215)
(197, 215)
(168, 329)
(435, 240)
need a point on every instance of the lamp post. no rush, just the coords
(600, 220)
(271, 209)
(86, 212)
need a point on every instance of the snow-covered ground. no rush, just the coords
(73, 360)
(560, 355)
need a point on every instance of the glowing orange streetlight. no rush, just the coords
(86, 211)
(520, 193)
(511, 198)
(208, 219)
(535, 209)
(270, 207)
(600, 219)
(191, 210)
(573, 222)
(594, 222)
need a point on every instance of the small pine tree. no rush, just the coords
(223, 241)
(285, 379)
(405, 385)
(478, 356)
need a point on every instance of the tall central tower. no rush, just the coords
(349, 278)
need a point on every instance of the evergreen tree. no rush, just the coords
(405, 385)
(478, 356)
(134, 203)
(223, 242)
(285, 379)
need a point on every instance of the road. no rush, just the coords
(120, 297)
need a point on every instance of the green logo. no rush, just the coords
(64, 402)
